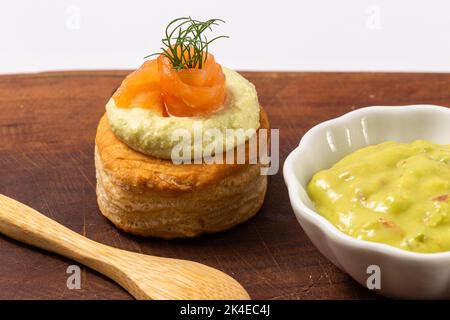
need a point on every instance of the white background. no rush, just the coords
(345, 35)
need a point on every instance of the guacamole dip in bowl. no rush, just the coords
(370, 190)
(393, 193)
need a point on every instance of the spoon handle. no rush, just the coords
(27, 225)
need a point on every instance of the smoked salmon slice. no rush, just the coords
(141, 88)
(157, 86)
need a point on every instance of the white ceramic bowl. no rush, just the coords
(404, 274)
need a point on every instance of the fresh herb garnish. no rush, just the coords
(185, 43)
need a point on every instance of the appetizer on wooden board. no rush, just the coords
(141, 187)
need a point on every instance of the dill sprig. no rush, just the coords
(185, 44)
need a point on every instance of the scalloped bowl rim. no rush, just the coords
(321, 222)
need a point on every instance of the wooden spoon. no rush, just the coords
(143, 276)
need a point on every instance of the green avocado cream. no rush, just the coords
(393, 193)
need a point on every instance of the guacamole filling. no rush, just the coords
(149, 133)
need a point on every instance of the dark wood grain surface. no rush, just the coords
(47, 128)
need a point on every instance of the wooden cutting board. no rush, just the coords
(47, 129)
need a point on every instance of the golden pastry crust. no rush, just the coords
(154, 197)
